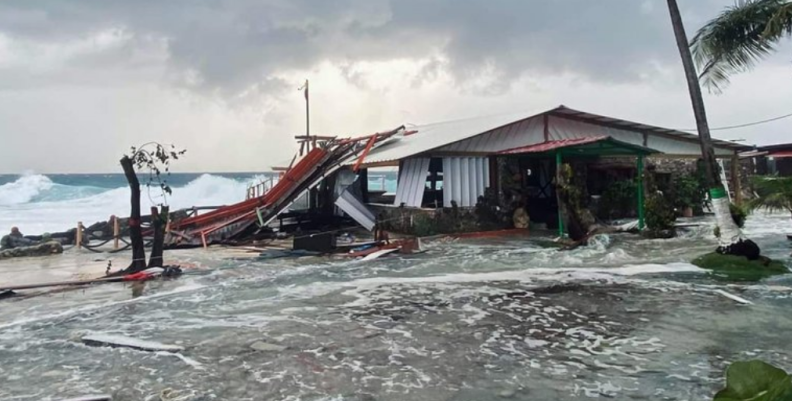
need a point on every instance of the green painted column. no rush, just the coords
(640, 185)
(558, 199)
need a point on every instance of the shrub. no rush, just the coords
(687, 191)
(659, 213)
(618, 200)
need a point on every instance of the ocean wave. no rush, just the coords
(24, 189)
(36, 204)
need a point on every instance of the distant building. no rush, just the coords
(772, 159)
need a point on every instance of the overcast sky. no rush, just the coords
(82, 81)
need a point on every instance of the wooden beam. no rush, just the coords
(314, 137)
(735, 179)
(365, 153)
(388, 163)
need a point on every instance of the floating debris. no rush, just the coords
(116, 341)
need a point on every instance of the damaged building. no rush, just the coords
(463, 175)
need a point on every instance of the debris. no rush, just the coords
(733, 297)
(104, 397)
(381, 252)
(111, 340)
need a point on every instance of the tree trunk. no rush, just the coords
(135, 233)
(731, 239)
(159, 219)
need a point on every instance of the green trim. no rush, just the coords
(260, 217)
(640, 189)
(717, 193)
(558, 200)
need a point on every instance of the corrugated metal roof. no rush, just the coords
(563, 111)
(495, 133)
(552, 145)
(432, 136)
(780, 154)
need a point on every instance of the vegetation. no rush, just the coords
(774, 194)
(155, 158)
(618, 200)
(742, 35)
(755, 381)
(687, 192)
(660, 216)
(738, 268)
(424, 226)
(739, 214)
(732, 241)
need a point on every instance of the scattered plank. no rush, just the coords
(116, 341)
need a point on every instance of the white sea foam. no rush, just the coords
(24, 189)
(37, 205)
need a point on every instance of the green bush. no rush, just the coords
(739, 214)
(659, 213)
(424, 225)
(618, 200)
(687, 191)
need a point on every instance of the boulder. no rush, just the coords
(43, 249)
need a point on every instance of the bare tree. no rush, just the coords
(155, 158)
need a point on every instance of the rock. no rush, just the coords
(738, 268)
(506, 394)
(267, 347)
(43, 249)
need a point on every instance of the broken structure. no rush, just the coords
(501, 162)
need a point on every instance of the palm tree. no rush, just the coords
(739, 37)
(731, 239)
(774, 194)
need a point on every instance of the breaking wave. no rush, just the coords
(24, 189)
(37, 204)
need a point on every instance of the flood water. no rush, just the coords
(486, 319)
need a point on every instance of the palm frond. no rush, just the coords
(780, 24)
(774, 194)
(738, 38)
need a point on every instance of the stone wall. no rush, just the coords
(424, 222)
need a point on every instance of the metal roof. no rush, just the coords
(781, 154)
(492, 134)
(563, 111)
(431, 136)
(593, 145)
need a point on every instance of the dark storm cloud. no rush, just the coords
(237, 46)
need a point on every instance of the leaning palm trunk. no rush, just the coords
(731, 240)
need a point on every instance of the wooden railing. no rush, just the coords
(260, 189)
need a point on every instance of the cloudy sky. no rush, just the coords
(82, 81)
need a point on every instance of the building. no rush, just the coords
(772, 159)
(451, 164)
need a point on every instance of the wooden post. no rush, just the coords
(735, 180)
(78, 236)
(640, 188)
(558, 198)
(116, 232)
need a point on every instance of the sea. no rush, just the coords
(38, 203)
(509, 318)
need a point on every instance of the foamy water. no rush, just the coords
(488, 319)
(37, 203)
